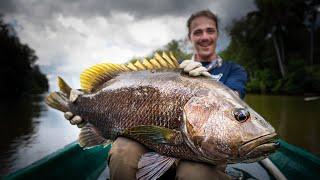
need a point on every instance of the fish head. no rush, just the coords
(221, 128)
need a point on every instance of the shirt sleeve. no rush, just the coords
(237, 80)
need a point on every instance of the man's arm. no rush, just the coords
(237, 80)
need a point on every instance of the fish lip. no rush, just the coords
(249, 146)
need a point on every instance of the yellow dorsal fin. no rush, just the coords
(97, 74)
(124, 67)
(155, 63)
(161, 60)
(174, 59)
(92, 78)
(139, 65)
(132, 67)
(167, 58)
(146, 63)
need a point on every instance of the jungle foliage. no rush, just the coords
(19, 74)
(278, 44)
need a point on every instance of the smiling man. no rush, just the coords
(203, 33)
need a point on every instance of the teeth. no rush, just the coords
(204, 45)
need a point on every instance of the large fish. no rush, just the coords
(173, 114)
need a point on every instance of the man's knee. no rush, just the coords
(193, 170)
(124, 157)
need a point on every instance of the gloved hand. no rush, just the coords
(74, 119)
(194, 68)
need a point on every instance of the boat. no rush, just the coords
(72, 162)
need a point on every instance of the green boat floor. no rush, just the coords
(71, 162)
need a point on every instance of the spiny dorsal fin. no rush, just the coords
(98, 74)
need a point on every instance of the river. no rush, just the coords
(30, 130)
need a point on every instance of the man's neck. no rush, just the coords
(205, 59)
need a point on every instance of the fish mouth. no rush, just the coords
(261, 145)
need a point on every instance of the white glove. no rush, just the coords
(194, 68)
(74, 119)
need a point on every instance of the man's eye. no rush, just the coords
(211, 30)
(197, 33)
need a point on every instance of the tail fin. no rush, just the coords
(59, 101)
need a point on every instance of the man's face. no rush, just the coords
(203, 36)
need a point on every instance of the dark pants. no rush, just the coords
(125, 154)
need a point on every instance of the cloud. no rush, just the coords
(82, 8)
(69, 36)
(45, 9)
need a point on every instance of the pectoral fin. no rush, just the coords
(157, 134)
(152, 165)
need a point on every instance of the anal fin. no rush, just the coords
(90, 137)
(152, 165)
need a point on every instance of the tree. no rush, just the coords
(19, 74)
(174, 46)
(312, 22)
(275, 35)
(272, 18)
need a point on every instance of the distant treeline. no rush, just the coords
(19, 75)
(278, 44)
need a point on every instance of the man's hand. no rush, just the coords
(194, 68)
(74, 119)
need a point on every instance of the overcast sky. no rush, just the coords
(69, 36)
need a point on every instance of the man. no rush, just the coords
(203, 34)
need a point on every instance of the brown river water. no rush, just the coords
(30, 130)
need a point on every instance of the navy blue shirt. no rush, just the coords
(233, 75)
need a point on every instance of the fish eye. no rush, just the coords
(241, 114)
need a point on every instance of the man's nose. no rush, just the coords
(205, 36)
